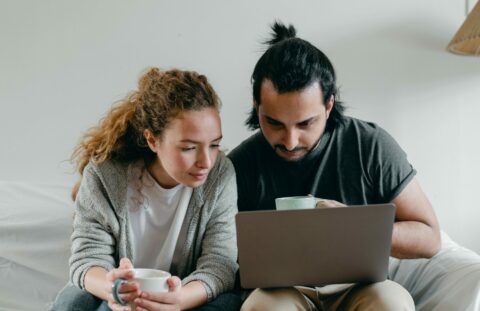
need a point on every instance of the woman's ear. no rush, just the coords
(151, 140)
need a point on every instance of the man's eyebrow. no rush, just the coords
(272, 119)
(306, 121)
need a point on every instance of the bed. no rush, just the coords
(35, 226)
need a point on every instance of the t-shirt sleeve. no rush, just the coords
(389, 167)
(243, 170)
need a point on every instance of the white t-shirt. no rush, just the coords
(156, 217)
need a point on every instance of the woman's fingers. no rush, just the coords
(114, 274)
(125, 263)
(117, 307)
(172, 297)
(126, 292)
(124, 271)
(174, 284)
(129, 287)
(155, 305)
(127, 297)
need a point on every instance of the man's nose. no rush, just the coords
(290, 140)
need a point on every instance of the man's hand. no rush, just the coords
(323, 203)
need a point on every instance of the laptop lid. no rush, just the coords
(314, 247)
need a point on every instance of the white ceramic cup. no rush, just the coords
(149, 280)
(297, 202)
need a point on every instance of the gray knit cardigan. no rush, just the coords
(206, 250)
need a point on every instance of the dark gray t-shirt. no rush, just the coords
(355, 163)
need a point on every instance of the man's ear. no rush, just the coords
(256, 108)
(329, 105)
(151, 140)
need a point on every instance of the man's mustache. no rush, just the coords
(283, 148)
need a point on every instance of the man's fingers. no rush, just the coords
(322, 203)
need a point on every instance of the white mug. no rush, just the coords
(298, 202)
(149, 280)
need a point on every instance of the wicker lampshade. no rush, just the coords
(467, 39)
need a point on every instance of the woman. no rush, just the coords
(156, 192)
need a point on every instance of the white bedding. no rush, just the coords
(35, 227)
(450, 281)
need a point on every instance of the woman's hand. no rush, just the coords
(128, 291)
(172, 300)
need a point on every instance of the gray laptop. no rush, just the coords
(314, 247)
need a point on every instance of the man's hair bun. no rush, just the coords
(281, 32)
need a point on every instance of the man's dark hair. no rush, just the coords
(292, 64)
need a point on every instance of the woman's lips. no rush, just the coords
(199, 176)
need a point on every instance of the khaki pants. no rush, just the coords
(386, 295)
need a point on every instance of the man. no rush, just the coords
(307, 146)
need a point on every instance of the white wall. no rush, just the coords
(63, 63)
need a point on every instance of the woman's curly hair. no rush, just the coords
(161, 96)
